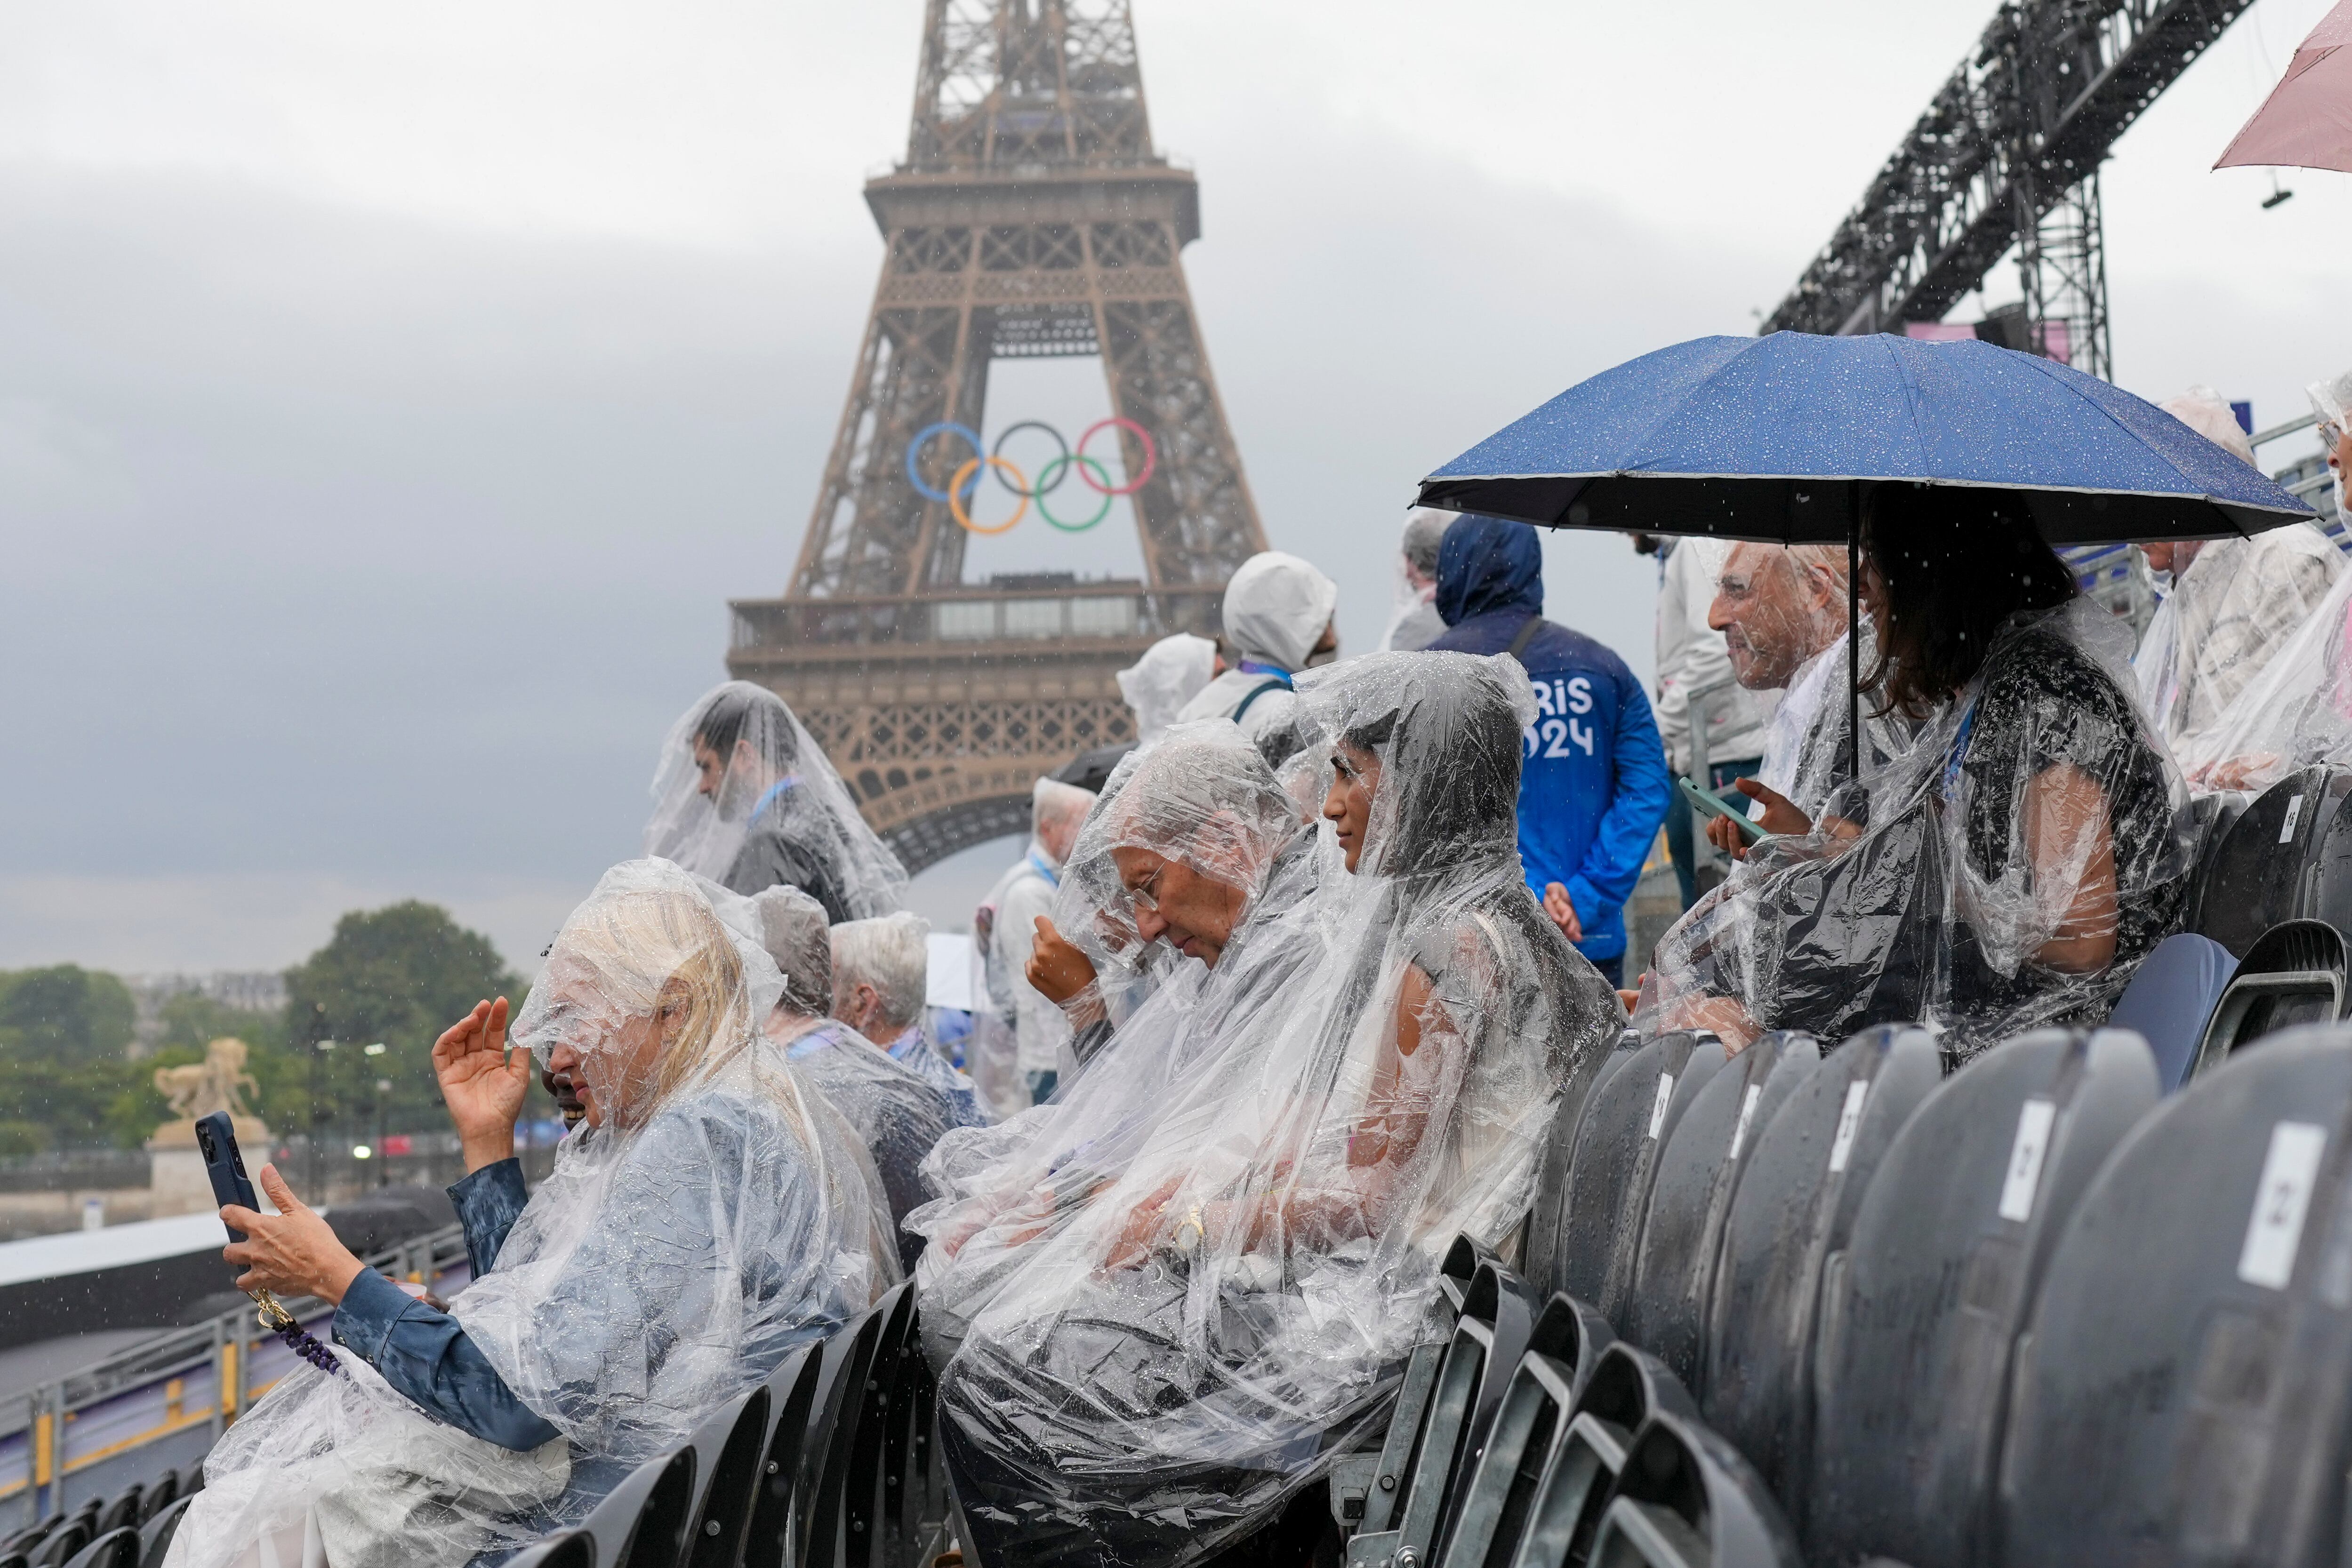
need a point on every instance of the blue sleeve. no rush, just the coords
(1637, 807)
(487, 1202)
(425, 1354)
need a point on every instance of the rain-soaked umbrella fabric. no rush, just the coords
(2306, 121)
(1772, 438)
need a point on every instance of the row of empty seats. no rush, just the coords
(133, 1528)
(829, 1463)
(1836, 1302)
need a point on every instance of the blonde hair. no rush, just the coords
(660, 950)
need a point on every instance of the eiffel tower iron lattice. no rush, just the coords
(1031, 217)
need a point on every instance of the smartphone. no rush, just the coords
(216, 1140)
(1714, 805)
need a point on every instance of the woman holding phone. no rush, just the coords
(695, 1230)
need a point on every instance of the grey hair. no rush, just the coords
(892, 954)
(1423, 532)
(792, 929)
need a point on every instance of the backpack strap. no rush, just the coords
(1519, 643)
(1276, 684)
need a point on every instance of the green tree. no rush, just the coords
(64, 1032)
(68, 1013)
(395, 977)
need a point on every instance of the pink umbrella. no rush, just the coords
(2307, 119)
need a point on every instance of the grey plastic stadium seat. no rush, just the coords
(1628, 1117)
(1688, 1500)
(1921, 1310)
(1547, 1214)
(1795, 1207)
(866, 1496)
(2184, 1378)
(2255, 879)
(2170, 999)
(2211, 816)
(728, 1450)
(1690, 1199)
(2295, 973)
(1430, 1460)
(641, 1522)
(793, 1395)
(155, 1535)
(1627, 1390)
(1530, 1426)
(572, 1549)
(117, 1548)
(832, 1436)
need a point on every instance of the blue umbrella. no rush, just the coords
(1772, 438)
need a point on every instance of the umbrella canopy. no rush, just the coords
(2306, 121)
(1772, 438)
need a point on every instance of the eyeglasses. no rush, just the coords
(1144, 896)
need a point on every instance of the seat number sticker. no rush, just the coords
(2275, 1229)
(1658, 1106)
(1747, 1114)
(2294, 815)
(1849, 1123)
(2025, 1155)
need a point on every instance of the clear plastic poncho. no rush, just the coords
(1201, 794)
(1956, 884)
(1171, 674)
(672, 1258)
(1197, 1339)
(2230, 608)
(881, 1118)
(2296, 711)
(743, 795)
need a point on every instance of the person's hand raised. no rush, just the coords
(482, 1082)
(292, 1252)
(1057, 970)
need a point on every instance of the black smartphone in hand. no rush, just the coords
(217, 1141)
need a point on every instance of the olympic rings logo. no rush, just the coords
(966, 480)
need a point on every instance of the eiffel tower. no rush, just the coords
(1030, 218)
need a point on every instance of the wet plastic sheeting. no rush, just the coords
(2185, 1374)
(1690, 1200)
(2254, 879)
(1795, 1206)
(1627, 1121)
(1546, 1221)
(1920, 1311)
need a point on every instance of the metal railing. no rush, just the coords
(193, 1380)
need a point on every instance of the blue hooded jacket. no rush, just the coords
(1595, 787)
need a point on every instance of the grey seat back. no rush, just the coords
(1921, 1310)
(2184, 1376)
(1794, 1209)
(1690, 1198)
(1627, 1119)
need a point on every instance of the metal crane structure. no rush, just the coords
(2008, 154)
(1031, 217)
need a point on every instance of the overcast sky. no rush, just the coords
(391, 398)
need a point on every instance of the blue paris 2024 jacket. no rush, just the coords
(1594, 787)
